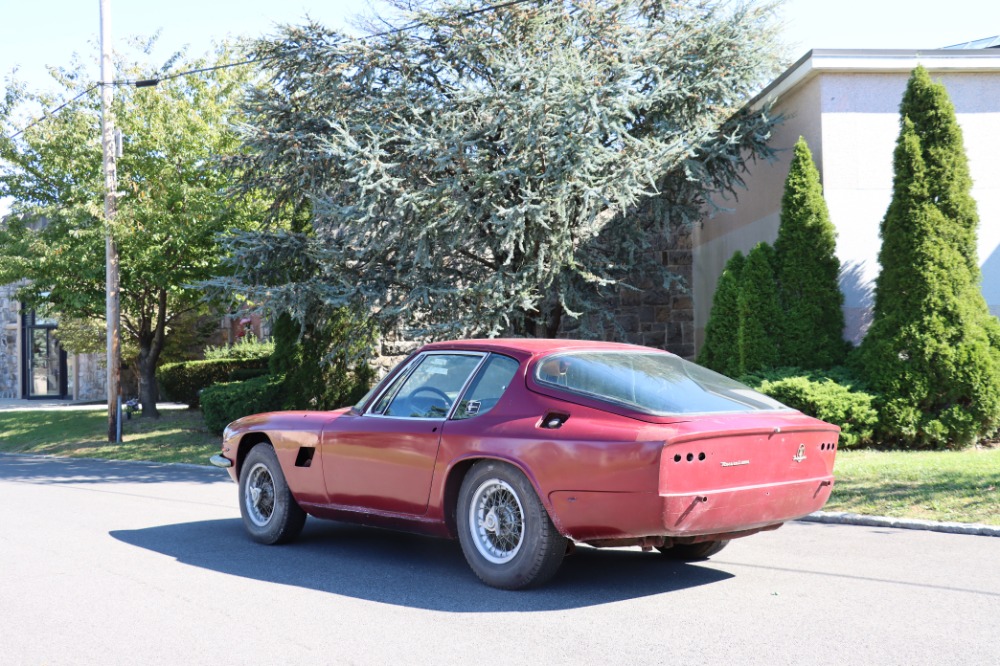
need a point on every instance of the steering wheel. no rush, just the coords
(437, 394)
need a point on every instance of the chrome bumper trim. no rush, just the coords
(220, 461)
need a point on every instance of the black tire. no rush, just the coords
(270, 513)
(693, 552)
(506, 534)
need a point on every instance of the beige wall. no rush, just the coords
(755, 212)
(851, 120)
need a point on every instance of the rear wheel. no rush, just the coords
(270, 513)
(506, 534)
(692, 552)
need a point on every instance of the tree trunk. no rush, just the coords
(148, 392)
(151, 339)
(546, 325)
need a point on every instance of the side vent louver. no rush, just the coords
(305, 457)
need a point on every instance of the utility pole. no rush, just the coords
(110, 249)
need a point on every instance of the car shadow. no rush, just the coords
(411, 570)
(56, 470)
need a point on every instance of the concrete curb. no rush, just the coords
(842, 518)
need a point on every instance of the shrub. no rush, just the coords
(182, 382)
(932, 350)
(221, 404)
(833, 396)
(807, 270)
(315, 378)
(760, 315)
(245, 349)
(720, 351)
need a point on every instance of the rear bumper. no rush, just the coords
(590, 516)
(737, 509)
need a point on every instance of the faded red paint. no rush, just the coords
(607, 476)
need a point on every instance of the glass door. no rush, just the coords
(44, 361)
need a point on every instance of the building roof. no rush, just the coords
(878, 60)
(984, 43)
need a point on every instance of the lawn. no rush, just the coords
(961, 486)
(177, 436)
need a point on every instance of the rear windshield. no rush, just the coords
(660, 384)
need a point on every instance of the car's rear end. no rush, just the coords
(731, 461)
(736, 473)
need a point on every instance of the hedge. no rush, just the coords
(182, 382)
(245, 349)
(833, 396)
(221, 404)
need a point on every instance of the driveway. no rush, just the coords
(104, 562)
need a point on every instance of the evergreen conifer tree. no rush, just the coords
(759, 312)
(807, 270)
(720, 351)
(933, 350)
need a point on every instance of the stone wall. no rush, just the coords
(656, 315)
(91, 377)
(9, 356)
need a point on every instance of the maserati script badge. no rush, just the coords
(801, 455)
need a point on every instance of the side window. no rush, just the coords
(486, 389)
(431, 388)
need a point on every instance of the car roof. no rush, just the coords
(534, 346)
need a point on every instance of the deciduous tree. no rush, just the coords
(173, 199)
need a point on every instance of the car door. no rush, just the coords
(383, 459)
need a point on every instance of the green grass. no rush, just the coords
(960, 486)
(177, 436)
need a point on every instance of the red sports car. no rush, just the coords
(521, 447)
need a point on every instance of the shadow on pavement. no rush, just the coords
(54, 470)
(410, 570)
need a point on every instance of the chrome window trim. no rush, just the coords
(404, 376)
(472, 378)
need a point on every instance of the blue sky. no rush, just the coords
(47, 32)
(43, 33)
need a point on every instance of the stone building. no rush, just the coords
(34, 365)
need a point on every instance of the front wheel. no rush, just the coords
(270, 513)
(693, 552)
(507, 536)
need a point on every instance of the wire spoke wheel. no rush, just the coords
(259, 495)
(506, 534)
(269, 510)
(496, 519)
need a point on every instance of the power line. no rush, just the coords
(48, 114)
(147, 83)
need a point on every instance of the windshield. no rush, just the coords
(655, 383)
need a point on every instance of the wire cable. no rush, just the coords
(146, 83)
(48, 114)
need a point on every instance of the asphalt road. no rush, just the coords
(130, 563)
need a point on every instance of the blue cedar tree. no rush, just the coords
(479, 174)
